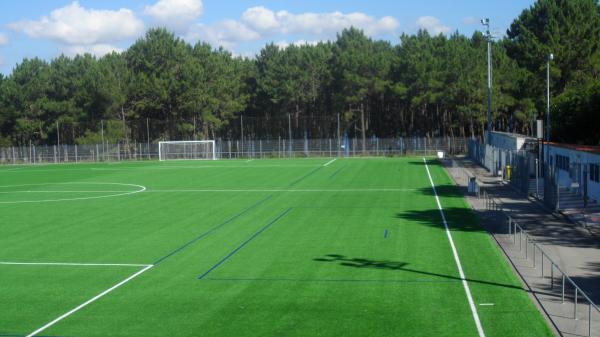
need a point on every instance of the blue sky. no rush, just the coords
(48, 28)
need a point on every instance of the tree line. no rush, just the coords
(164, 88)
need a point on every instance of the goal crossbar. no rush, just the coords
(187, 150)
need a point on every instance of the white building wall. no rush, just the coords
(576, 157)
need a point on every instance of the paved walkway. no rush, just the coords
(573, 249)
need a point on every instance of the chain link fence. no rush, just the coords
(233, 149)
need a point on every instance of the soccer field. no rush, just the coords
(305, 247)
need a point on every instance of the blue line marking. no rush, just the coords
(336, 172)
(385, 234)
(245, 243)
(211, 230)
(305, 176)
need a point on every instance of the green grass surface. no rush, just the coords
(260, 248)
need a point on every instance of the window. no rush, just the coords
(562, 162)
(595, 172)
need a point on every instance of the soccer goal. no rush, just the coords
(187, 150)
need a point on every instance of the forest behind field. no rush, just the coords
(164, 88)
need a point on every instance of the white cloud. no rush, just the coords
(259, 22)
(98, 50)
(432, 24)
(261, 18)
(175, 14)
(225, 33)
(76, 25)
(470, 20)
(3, 39)
(284, 44)
(266, 21)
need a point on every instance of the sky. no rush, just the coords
(49, 28)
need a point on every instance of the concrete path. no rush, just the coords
(572, 249)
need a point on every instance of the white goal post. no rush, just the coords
(187, 150)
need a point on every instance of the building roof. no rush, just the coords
(582, 148)
(514, 135)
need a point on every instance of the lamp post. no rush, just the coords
(488, 35)
(549, 58)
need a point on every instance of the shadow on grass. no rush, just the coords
(458, 218)
(444, 191)
(342, 260)
(430, 162)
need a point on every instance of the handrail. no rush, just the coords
(495, 204)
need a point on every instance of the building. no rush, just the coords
(576, 169)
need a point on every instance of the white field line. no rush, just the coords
(65, 191)
(330, 162)
(93, 299)
(171, 167)
(120, 193)
(11, 263)
(456, 258)
(357, 190)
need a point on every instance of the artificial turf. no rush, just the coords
(250, 248)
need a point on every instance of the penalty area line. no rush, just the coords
(86, 303)
(455, 253)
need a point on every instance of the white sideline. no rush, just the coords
(93, 299)
(456, 258)
(10, 263)
(284, 190)
(330, 162)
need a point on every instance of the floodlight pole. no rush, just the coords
(488, 36)
(290, 132)
(549, 58)
(242, 131)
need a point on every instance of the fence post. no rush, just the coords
(551, 275)
(534, 255)
(520, 239)
(590, 320)
(76, 160)
(543, 264)
(575, 306)
(563, 287)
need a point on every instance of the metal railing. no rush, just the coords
(515, 230)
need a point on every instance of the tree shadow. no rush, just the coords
(458, 218)
(446, 190)
(590, 283)
(360, 262)
(430, 162)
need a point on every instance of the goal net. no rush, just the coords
(187, 150)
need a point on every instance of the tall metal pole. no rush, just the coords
(148, 137)
(339, 145)
(102, 136)
(488, 35)
(548, 128)
(290, 131)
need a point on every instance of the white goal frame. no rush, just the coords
(163, 156)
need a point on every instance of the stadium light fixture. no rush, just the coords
(488, 36)
(549, 58)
